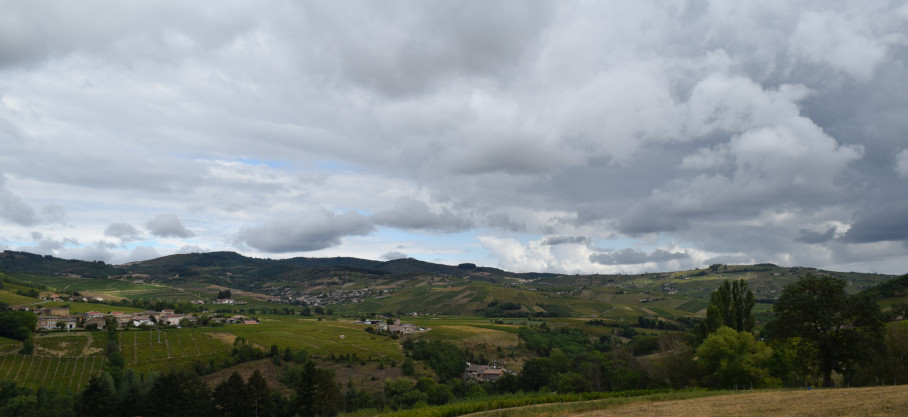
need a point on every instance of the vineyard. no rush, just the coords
(62, 361)
(68, 360)
(159, 350)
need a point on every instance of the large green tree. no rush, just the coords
(730, 305)
(845, 329)
(734, 359)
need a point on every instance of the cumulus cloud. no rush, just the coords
(123, 231)
(142, 253)
(311, 230)
(168, 225)
(631, 256)
(836, 40)
(408, 213)
(743, 129)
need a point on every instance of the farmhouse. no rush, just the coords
(484, 373)
(50, 322)
(171, 319)
(97, 321)
(139, 319)
(54, 311)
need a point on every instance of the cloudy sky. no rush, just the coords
(571, 137)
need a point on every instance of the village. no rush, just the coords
(60, 318)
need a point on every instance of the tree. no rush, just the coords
(730, 358)
(98, 398)
(729, 305)
(317, 394)
(844, 329)
(259, 394)
(231, 397)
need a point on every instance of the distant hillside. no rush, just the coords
(410, 285)
(28, 263)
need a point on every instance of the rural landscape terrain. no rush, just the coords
(322, 336)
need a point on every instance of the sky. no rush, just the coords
(546, 136)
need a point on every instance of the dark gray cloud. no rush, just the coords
(313, 230)
(629, 256)
(168, 225)
(567, 240)
(811, 237)
(408, 213)
(886, 222)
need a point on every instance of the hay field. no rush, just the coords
(875, 401)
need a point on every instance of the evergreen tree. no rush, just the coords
(259, 395)
(231, 397)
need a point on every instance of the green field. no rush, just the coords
(319, 338)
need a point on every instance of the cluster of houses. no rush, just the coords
(58, 297)
(54, 318)
(331, 297)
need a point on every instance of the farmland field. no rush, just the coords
(317, 337)
(875, 401)
(62, 361)
(152, 350)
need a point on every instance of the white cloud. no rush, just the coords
(833, 39)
